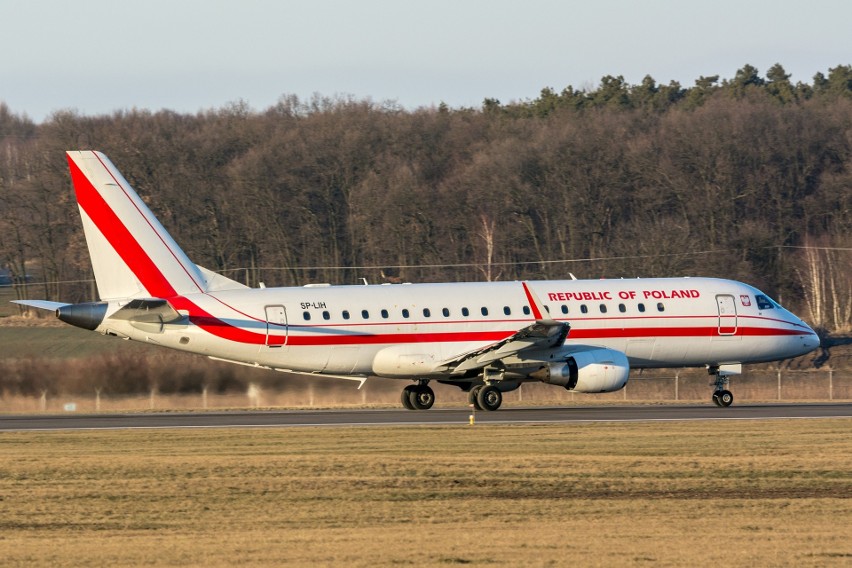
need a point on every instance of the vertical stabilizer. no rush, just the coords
(132, 254)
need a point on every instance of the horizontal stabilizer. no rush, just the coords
(41, 304)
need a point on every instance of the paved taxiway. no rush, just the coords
(364, 417)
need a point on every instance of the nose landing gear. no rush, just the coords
(721, 395)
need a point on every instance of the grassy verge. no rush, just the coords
(748, 493)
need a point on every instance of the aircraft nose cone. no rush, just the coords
(812, 341)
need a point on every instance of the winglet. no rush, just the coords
(539, 312)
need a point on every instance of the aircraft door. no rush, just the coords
(276, 326)
(727, 314)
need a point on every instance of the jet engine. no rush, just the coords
(88, 316)
(593, 370)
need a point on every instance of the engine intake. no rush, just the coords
(595, 370)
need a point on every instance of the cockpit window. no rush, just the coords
(764, 303)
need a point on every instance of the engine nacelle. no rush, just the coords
(88, 316)
(595, 370)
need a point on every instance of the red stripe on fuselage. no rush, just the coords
(216, 326)
(221, 329)
(493, 336)
(330, 335)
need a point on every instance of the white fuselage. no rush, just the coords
(405, 330)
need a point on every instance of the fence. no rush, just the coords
(759, 385)
(687, 386)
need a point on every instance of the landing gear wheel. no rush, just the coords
(422, 397)
(406, 396)
(721, 395)
(472, 396)
(489, 398)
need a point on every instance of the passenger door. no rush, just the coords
(276, 326)
(727, 314)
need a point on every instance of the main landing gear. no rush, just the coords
(721, 395)
(485, 397)
(422, 397)
(418, 397)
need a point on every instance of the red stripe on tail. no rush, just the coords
(118, 236)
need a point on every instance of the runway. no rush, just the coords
(392, 417)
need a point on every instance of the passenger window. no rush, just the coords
(603, 308)
(365, 314)
(446, 312)
(584, 309)
(526, 310)
(465, 312)
(507, 310)
(622, 308)
(326, 316)
(385, 314)
(306, 315)
(484, 311)
(763, 303)
(405, 313)
(427, 312)
(346, 314)
(641, 307)
(564, 309)
(661, 307)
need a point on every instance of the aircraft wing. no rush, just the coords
(543, 334)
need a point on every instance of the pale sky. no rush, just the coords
(97, 56)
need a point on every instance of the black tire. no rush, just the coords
(471, 396)
(726, 398)
(716, 399)
(406, 396)
(489, 398)
(422, 397)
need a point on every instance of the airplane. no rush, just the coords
(486, 338)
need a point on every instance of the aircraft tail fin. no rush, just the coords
(133, 256)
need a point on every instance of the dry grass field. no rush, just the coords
(750, 493)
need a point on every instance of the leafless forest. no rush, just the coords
(747, 178)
